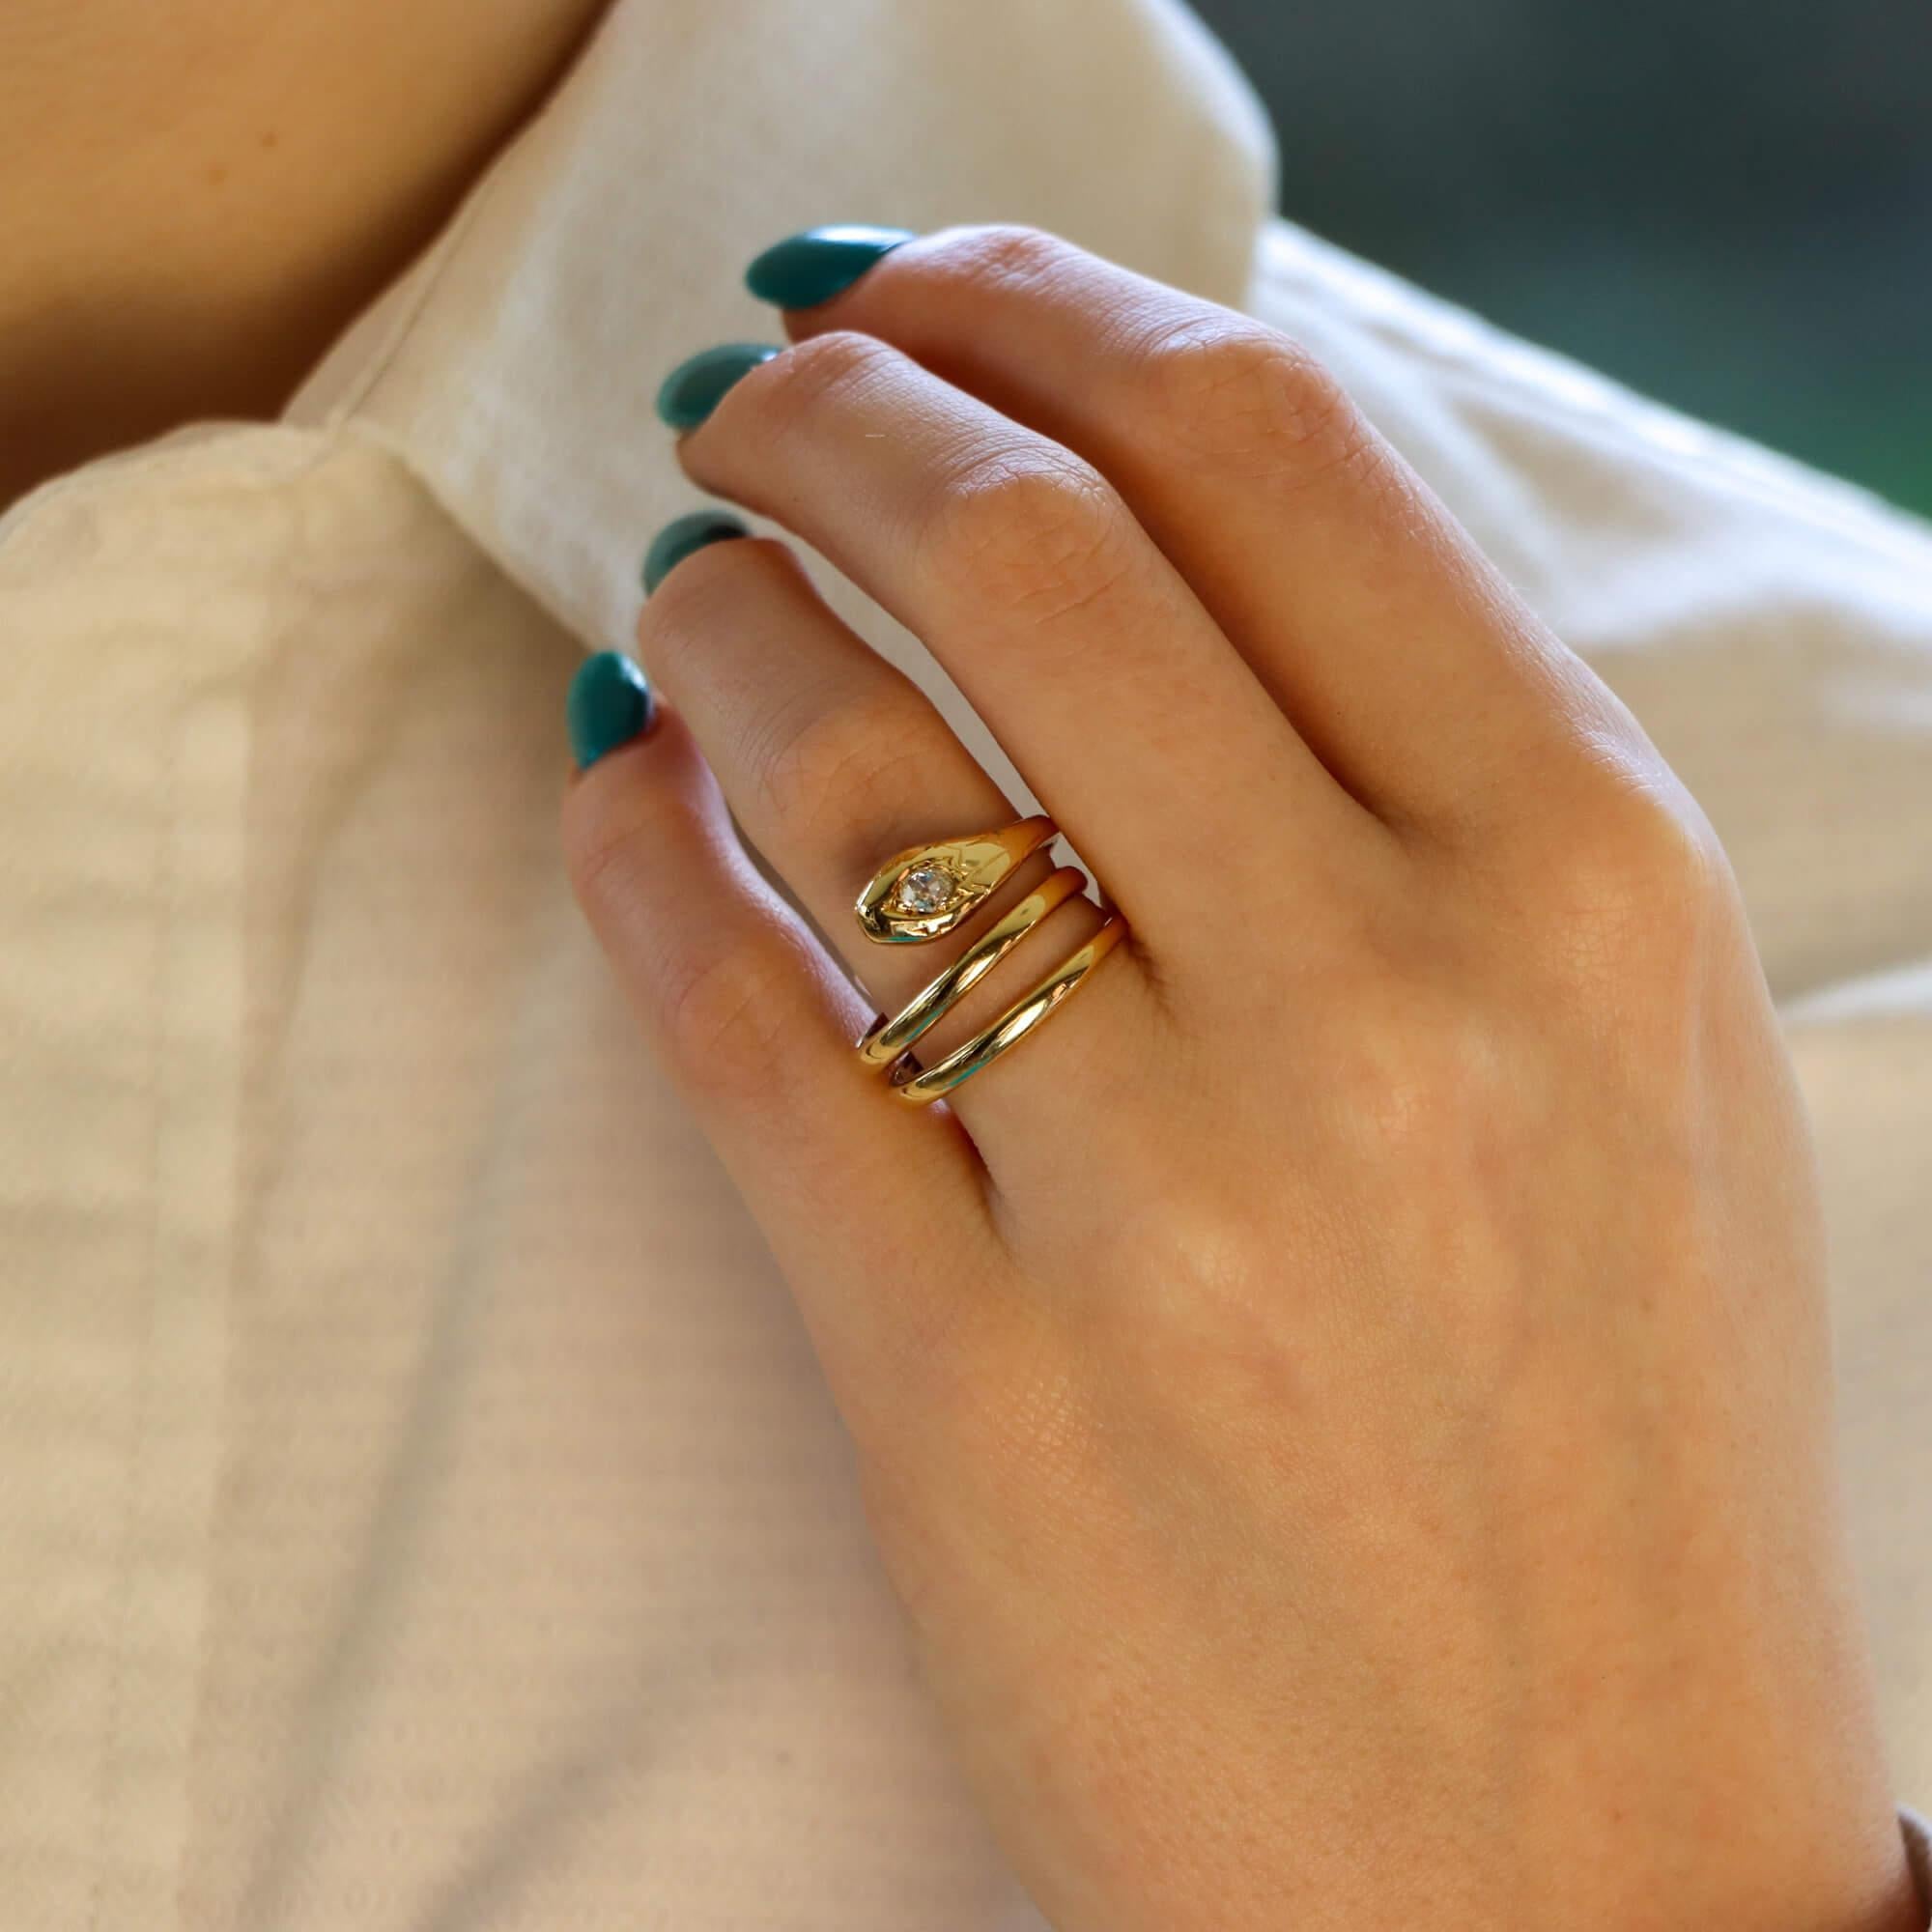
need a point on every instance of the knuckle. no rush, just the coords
(998, 255)
(1419, 1076)
(1187, 1253)
(1239, 395)
(722, 1018)
(1194, 1313)
(1638, 877)
(1028, 532)
(805, 379)
(608, 855)
(710, 592)
(821, 769)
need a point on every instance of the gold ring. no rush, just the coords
(1012, 1027)
(928, 890)
(886, 1039)
(925, 891)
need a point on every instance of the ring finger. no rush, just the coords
(832, 761)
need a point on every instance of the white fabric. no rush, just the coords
(417, 1503)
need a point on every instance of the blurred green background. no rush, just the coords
(1728, 206)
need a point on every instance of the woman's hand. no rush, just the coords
(1346, 1404)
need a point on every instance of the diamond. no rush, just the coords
(924, 889)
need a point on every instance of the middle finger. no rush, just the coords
(1130, 715)
(832, 761)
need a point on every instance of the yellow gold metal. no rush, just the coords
(1012, 1027)
(887, 1039)
(925, 891)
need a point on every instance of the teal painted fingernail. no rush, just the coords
(811, 266)
(610, 703)
(691, 391)
(681, 536)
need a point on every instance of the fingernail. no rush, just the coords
(813, 266)
(681, 536)
(610, 703)
(691, 391)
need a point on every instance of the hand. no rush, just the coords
(1346, 1404)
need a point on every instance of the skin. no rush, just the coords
(1346, 1405)
(251, 173)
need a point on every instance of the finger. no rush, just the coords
(754, 1024)
(1402, 659)
(1113, 692)
(832, 761)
